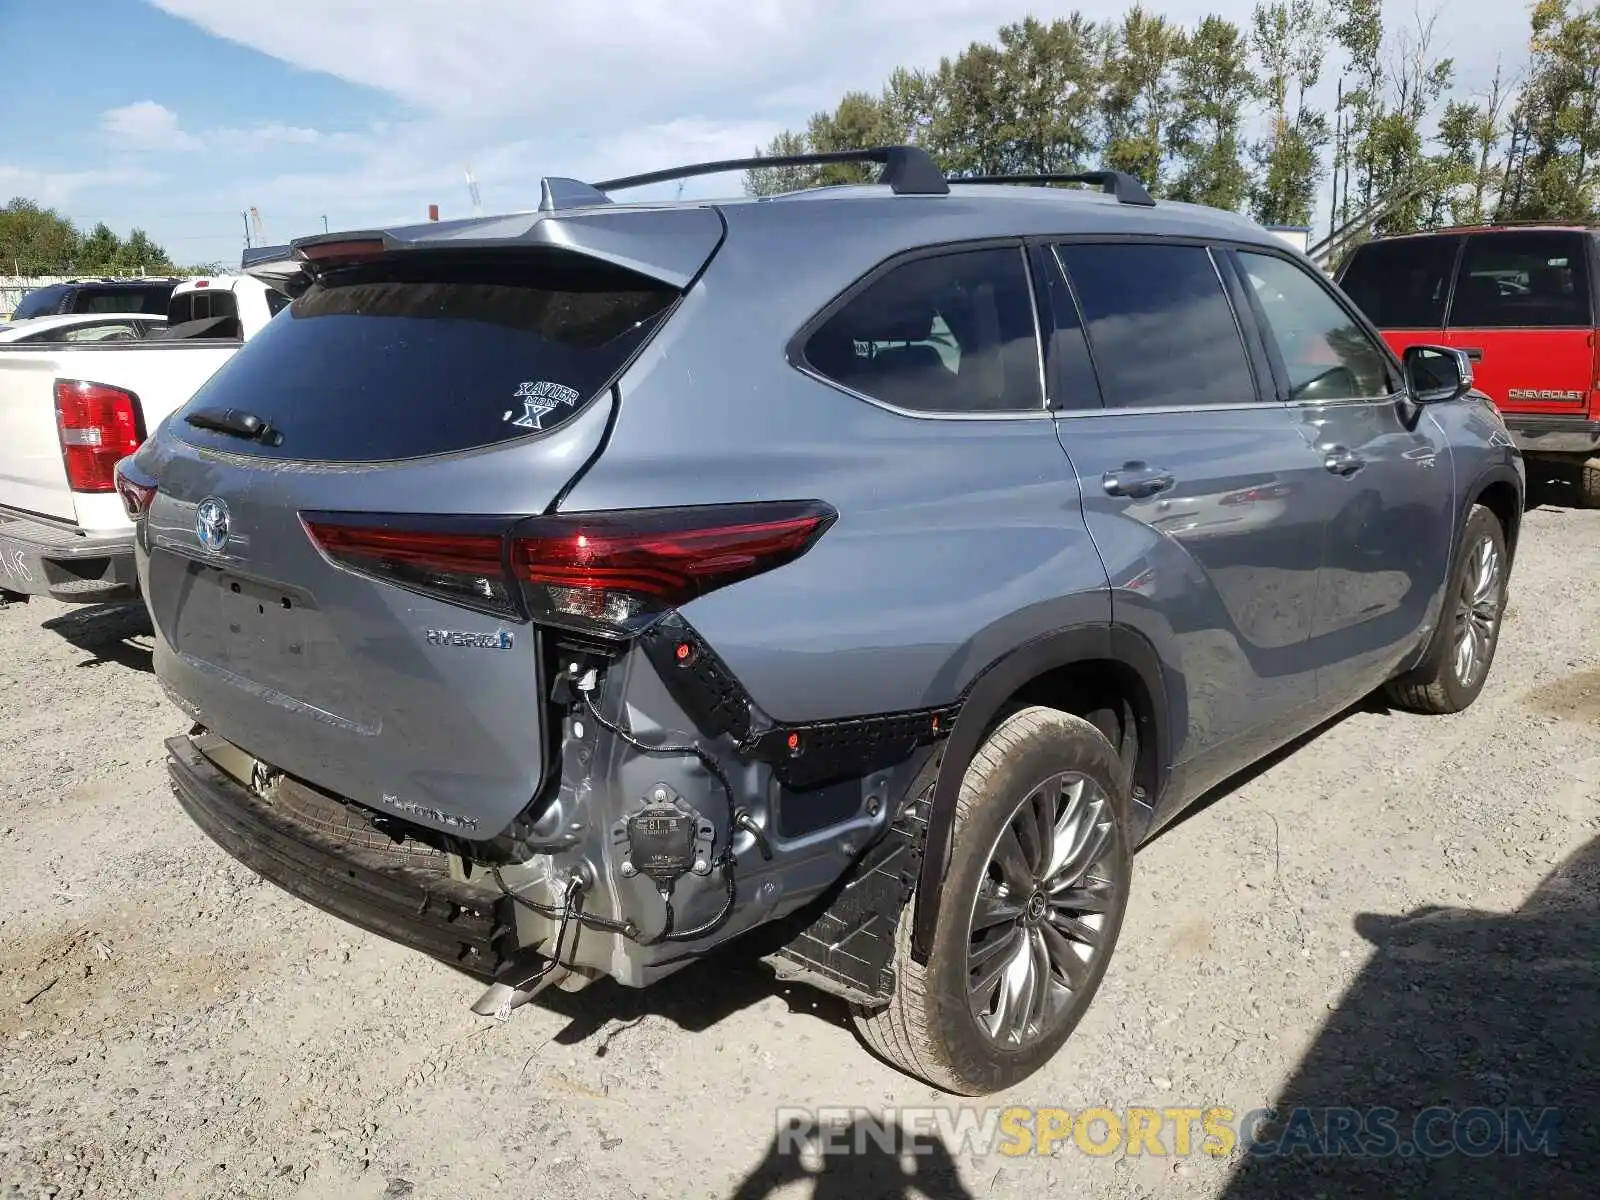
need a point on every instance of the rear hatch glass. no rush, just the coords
(406, 357)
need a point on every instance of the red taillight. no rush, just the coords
(468, 568)
(137, 492)
(98, 425)
(608, 573)
(612, 573)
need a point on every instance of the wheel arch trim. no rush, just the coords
(989, 692)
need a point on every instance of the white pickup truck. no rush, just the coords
(70, 411)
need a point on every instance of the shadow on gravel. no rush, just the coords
(857, 1162)
(1553, 485)
(1458, 1010)
(107, 632)
(694, 999)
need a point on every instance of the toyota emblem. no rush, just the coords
(211, 524)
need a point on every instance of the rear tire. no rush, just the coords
(1042, 832)
(1453, 671)
(1589, 484)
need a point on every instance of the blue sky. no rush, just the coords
(177, 115)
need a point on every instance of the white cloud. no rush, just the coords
(603, 87)
(146, 126)
(605, 63)
(55, 188)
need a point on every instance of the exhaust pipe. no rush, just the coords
(500, 998)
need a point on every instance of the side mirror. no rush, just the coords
(1437, 374)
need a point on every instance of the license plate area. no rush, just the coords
(261, 631)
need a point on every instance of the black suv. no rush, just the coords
(97, 296)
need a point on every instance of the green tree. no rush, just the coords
(967, 130)
(772, 181)
(36, 241)
(1289, 39)
(1215, 84)
(1358, 28)
(139, 253)
(99, 251)
(1139, 97)
(857, 124)
(1556, 138)
(1049, 80)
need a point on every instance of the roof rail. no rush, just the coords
(908, 170)
(1126, 188)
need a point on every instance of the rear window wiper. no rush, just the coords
(232, 420)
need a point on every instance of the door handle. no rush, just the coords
(1475, 353)
(1342, 460)
(1136, 480)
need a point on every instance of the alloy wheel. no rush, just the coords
(1477, 611)
(1039, 920)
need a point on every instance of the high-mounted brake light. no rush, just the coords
(346, 251)
(610, 574)
(98, 425)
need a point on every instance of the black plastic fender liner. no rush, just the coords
(984, 699)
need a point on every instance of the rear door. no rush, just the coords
(1205, 501)
(1403, 286)
(331, 595)
(1523, 311)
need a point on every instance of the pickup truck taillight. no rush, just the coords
(98, 425)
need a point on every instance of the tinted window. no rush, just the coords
(1160, 325)
(276, 302)
(41, 302)
(380, 362)
(1511, 280)
(1327, 355)
(951, 333)
(121, 300)
(1402, 284)
(1072, 379)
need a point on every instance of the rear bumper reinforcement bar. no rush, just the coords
(424, 911)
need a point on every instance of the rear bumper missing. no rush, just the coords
(1540, 433)
(424, 911)
(40, 559)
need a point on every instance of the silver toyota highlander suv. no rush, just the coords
(564, 594)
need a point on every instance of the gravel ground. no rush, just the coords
(1351, 924)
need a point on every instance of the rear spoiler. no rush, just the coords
(277, 267)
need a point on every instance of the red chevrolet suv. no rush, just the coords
(1521, 301)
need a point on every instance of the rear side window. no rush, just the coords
(41, 302)
(1523, 280)
(402, 360)
(1160, 325)
(1402, 284)
(951, 333)
(276, 302)
(121, 300)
